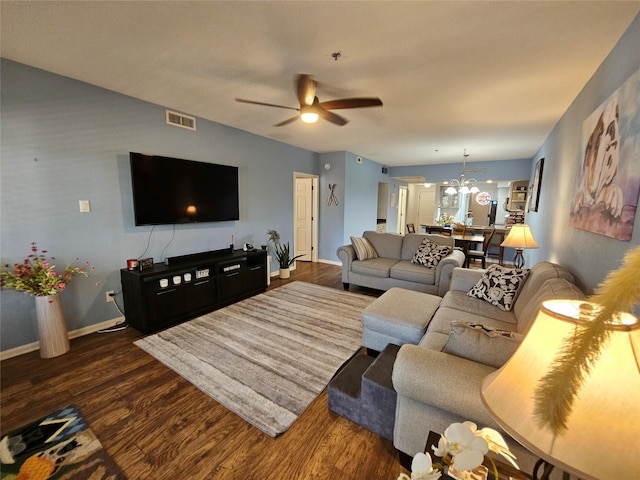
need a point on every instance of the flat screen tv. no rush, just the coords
(171, 190)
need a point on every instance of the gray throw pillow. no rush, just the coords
(430, 253)
(482, 344)
(500, 286)
(364, 249)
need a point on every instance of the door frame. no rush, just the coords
(315, 181)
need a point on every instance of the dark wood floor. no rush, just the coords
(156, 425)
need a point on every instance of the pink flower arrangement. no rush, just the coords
(37, 276)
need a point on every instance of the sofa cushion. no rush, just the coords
(412, 241)
(499, 286)
(429, 254)
(364, 249)
(388, 245)
(467, 306)
(410, 272)
(538, 274)
(375, 267)
(551, 289)
(483, 344)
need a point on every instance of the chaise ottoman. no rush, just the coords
(398, 316)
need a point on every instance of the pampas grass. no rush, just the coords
(559, 387)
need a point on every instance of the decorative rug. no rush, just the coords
(268, 357)
(60, 446)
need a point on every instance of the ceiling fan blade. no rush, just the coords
(242, 100)
(290, 120)
(306, 89)
(332, 117)
(351, 103)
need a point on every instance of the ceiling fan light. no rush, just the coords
(309, 117)
(309, 114)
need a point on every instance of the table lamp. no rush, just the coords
(602, 430)
(519, 237)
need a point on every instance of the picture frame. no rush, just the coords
(534, 201)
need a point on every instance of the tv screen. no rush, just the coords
(171, 190)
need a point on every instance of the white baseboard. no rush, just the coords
(30, 347)
(330, 262)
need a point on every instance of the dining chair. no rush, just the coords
(481, 254)
(411, 228)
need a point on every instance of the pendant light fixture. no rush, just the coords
(463, 185)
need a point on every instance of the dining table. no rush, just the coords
(465, 240)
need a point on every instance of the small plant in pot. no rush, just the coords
(282, 253)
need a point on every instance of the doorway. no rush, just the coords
(305, 216)
(402, 209)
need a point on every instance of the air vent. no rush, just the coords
(181, 120)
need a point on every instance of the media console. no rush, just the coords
(191, 285)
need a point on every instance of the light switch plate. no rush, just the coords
(85, 206)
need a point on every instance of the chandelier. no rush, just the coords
(463, 185)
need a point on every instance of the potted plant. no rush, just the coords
(282, 253)
(37, 276)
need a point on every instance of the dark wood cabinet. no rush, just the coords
(189, 286)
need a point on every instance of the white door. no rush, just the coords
(402, 210)
(426, 208)
(303, 218)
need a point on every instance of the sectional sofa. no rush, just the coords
(438, 380)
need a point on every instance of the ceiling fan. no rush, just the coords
(311, 108)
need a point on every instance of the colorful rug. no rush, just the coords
(268, 357)
(60, 446)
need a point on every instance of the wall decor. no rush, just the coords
(332, 200)
(534, 197)
(608, 174)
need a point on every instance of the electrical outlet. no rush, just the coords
(109, 294)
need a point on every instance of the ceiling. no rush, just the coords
(490, 77)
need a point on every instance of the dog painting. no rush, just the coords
(608, 175)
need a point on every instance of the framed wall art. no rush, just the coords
(534, 199)
(608, 174)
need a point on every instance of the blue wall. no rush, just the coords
(589, 256)
(65, 141)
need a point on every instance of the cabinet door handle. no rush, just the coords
(201, 282)
(232, 274)
(259, 267)
(166, 291)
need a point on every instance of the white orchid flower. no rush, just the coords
(465, 447)
(422, 468)
(497, 444)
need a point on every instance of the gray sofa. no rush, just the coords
(434, 388)
(393, 267)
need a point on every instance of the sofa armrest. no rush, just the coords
(445, 269)
(347, 255)
(441, 380)
(463, 279)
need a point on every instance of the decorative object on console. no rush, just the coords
(463, 183)
(36, 276)
(282, 253)
(519, 237)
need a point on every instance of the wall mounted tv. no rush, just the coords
(171, 190)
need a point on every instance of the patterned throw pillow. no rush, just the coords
(481, 343)
(364, 249)
(430, 253)
(500, 286)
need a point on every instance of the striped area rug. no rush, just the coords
(268, 357)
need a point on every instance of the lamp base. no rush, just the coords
(518, 260)
(547, 468)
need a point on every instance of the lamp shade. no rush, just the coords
(520, 236)
(603, 428)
